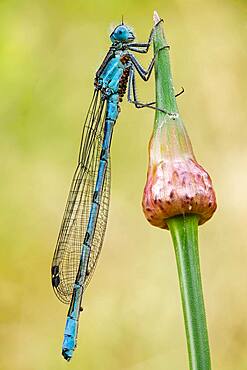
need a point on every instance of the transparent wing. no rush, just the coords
(70, 239)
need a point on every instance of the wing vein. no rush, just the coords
(74, 223)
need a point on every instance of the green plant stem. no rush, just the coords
(184, 231)
(165, 96)
(183, 228)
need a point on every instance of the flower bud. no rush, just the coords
(176, 183)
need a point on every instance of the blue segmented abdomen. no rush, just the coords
(72, 322)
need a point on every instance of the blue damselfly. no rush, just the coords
(84, 222)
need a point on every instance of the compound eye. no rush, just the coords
(120, 32)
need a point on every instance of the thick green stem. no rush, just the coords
(171, 139)
(165, 96)
(184, 231)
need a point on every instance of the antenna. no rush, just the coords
(122, 20)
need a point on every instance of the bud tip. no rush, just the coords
(156, 17)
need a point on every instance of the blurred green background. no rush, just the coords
(49, 52)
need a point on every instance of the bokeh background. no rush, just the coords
(49, 51)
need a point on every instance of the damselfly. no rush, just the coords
(84, 222)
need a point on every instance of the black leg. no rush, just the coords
(145, 74)
(136, 45)
(132, 85)
(135, 49)
(145, 45)
(180, 92)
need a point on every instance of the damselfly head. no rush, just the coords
(122, 33)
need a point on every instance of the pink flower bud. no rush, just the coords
(176, 183)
